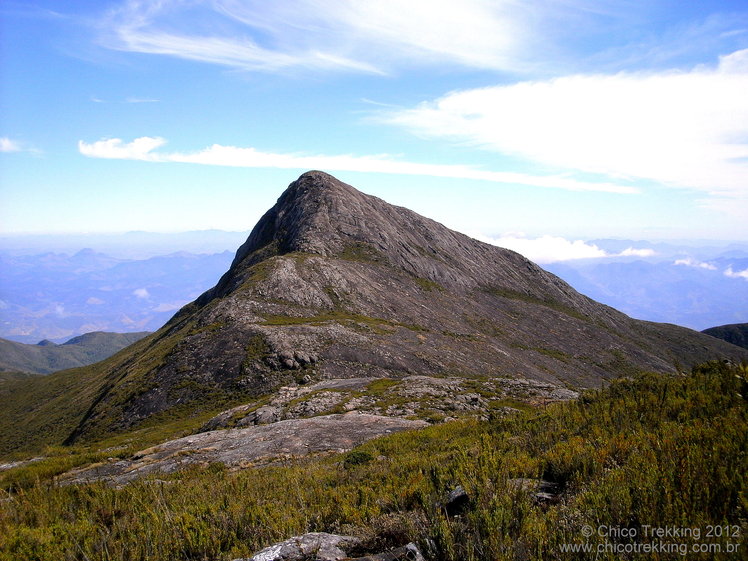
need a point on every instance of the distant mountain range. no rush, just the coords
(46, 357)
(57, 296)
(694, 286)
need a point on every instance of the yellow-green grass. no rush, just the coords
(659, 451)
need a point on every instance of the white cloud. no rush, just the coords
(8, 145)
(551, 249)
(546, 249)
(169, 307)
(143, 149)
(353, 35)
(114, 148)
(736, 274)
(141, 293)
(691, 262)
(681, 129)
(93, 301)
(634, 252)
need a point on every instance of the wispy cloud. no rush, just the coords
(389, 35)
(8, 145)
(141, 100)
(127, 100)
(143, 149)
(355, 35)
(679, 129)
(141, 293)
(169, 306)
(551, 249)
(691, 262)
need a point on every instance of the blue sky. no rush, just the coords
(573, 119)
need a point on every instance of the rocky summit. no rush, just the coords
(336, 284)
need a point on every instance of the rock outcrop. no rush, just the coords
(320, 546)
(247, 447)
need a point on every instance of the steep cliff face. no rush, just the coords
(333, 283)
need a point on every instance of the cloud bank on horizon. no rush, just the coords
(591, 98)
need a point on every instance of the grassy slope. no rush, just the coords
(46, 410)
(79, 351)
(15, 376)
(663, 451)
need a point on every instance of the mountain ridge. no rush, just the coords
(735, 333)
(46, 357)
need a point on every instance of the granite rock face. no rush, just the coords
(335, 284)
(246, 447)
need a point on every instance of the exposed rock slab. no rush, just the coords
(12, 465)
(248, 446)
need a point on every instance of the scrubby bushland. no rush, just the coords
(656, 450)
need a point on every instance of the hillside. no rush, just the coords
(336, 284)
(736, 333)
(46, 357)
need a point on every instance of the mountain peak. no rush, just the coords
(335, 284)
(320, 215)
(306, 217)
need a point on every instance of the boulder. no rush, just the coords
(457, 501)
(542, 491)
(319, 546)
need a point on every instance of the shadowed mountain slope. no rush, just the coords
(333, 283)
(735, 333)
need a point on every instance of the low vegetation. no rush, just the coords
(654, 451)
